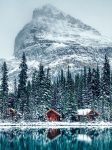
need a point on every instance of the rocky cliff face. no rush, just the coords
(58, 39)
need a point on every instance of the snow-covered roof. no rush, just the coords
(83, 111)
(53, 111)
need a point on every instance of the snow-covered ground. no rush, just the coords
(56, 125)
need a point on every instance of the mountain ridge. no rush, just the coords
(57, 42)
(51, 11)
(53, 29)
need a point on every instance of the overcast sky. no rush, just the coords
(14, 14)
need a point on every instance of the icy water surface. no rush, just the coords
(56, 139)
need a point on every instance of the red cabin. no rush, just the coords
(13, 114)
(53, 115)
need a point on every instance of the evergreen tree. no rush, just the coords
(34, 93)
(77, 89)
(16, 104)
(27, 105)
(106, 77)
(15, 88)
(71, 105)
(40, 85)
(42, 92)
(4, 84)
(34, 84)
(106, 88)
(4, 88)
(48, 89)
(28, 89)
(80, 92)
(90, 89)
(1, 103)
(85, 77)
(110, 98)
(84, 89)
(89, 85)
(93, 88)
(22, 84)
(97, 82)
(61, 92)
(55, 93)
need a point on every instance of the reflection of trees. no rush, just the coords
(65, 139)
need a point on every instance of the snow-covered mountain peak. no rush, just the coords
(50, 14)
(47, 10)
(58, 40)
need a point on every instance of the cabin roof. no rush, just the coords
(52, 110)
(83, 112)
(87, 111)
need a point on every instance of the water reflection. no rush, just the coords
(53, 133)
(56, 139)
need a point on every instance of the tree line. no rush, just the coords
(68, 92)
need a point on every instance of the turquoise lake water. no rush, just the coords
(56, 139)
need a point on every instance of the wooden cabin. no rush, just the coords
(53, 115)
(53, 133)
(11, 111)
(13, 114)
(92, 115)
(87, 115)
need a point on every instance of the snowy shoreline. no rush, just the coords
(56, 125)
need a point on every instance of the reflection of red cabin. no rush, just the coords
(53, 133)
(53, 115)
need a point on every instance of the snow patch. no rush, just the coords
(56, 125)
(83, 112)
